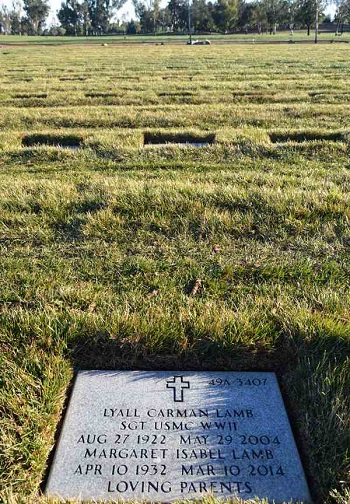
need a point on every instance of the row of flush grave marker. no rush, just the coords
(75, 142)
(166, 139)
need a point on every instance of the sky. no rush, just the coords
(125, 13)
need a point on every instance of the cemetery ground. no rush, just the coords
(118, 253)
(281, 36)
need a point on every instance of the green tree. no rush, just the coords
(15, 23)
(226, 14)
(85, 18)
(276, 12)
(132, 28)
(164, 19)
(156, 14)
(201, 15)
(305, 14)
(308, 13)
(178, 12)
(258, 17)
(36, 14)
(15, 17)
(148, 14)
(291, 8)
(70, 16)
(5, 20)
(101, 13)
(246, 14)
(342, 14)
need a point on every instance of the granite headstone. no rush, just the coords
(162, 436)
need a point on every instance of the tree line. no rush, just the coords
(97, 17)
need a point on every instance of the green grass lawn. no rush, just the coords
(101, 245)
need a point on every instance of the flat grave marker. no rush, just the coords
(165, 435)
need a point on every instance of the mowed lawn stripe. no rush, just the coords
(102, 247)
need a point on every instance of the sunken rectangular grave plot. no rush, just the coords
(159, 436)
(73, 142)
(101, 95)
(179, 139)
(307, 136)
(81, 79)
(30, 95)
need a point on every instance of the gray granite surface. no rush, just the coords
(162, 436)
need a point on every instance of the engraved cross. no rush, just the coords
(178, 385)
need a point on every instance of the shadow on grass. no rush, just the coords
(101, 351)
